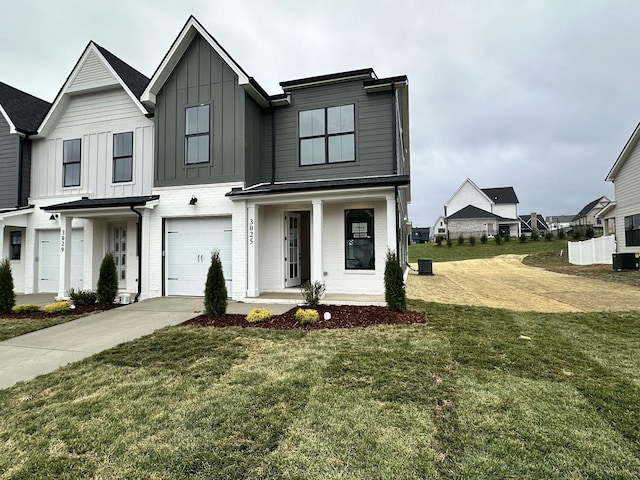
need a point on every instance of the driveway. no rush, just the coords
(505, 282)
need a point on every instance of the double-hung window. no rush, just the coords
(359, 239)
(122, 157)
(632, 230)
(196, 143)
(327, 135)
(71, 162)
(15, 245)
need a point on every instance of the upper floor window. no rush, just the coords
(632, 230)
(359, 239)
(327, 135)
(71, 162)
(15, 245)
(122, 157)
(196, 144)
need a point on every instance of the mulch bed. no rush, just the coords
(342, 316)
(79, 310)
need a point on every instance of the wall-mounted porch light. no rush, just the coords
(193, 200)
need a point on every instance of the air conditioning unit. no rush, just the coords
(425, 266)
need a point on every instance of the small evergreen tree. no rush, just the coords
(439, 241)
(107, 288)
(523, 238)
(472, 240)
(449, 242)
(498, 239)
(561, 234)
(394, 289)
(483, 239)
(460, 239)
(590, 233)
(548, 236)
(535, 235)
(7, 295)
(215, 290)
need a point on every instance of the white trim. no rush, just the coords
(12, 127)
(624, 154)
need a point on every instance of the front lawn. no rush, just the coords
(462, 396)
(14, 327)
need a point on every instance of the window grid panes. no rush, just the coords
(15, 246)
(71, 153)
(122, 157)
(197, 127)
(632, 230)
(327, 135)
(359, 239)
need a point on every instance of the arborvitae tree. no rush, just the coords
(215, 290)
(107, 281)
(394, 290)
(7, 295)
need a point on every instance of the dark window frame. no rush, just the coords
(198, 134)
(66, 163)
(632, 230)
(122, 158)
(359, 238)
(326, 135)
(15, 247)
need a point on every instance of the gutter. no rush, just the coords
(139, 251)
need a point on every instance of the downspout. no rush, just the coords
(273, 142)
(139, 251)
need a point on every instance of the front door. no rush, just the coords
(292, 253)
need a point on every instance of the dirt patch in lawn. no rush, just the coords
(78, 310)
(505, 282)
(344, 316)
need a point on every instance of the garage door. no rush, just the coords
(49, 260)
(190, 243)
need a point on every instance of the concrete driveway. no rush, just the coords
(30, 355)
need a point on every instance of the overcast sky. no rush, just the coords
(538, 95)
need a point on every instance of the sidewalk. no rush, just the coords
(43, 351)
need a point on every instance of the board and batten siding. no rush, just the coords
(9, 147)
(627, 196)
(95, 118)
(373, 133)
(200, 77)
(258, 143)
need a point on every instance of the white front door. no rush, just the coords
(49, 260)
(292, 253)
(190, 243)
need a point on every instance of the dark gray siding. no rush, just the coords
(8, 166)
(25, 190)
(201, 76)
(373, 130)
(258, 137)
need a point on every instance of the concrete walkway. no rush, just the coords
(43, 351)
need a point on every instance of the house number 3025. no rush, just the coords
(251, 233)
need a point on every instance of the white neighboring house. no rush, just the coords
(91, 181)
(439, 228)
(476, 211)
(625, 210)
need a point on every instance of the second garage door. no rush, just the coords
(49, 260)
(190, 243)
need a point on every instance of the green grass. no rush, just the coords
(14, 327)
(458, 397)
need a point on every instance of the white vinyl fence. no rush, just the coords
(596, 250)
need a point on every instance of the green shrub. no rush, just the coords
(483, 239)
(472, 240)
(576, 234)
(258, 315)
(107, 281)
(26, 308)
(590, 233)
(215, 290)
(7, 295)
(307, 316)
(548, 236)
(83, 297)
(523, 238)
(439, 239)
(561, 234)
(498, 239)
(394, 288)
(57, 307)
(507, 238)
(460, 239)
(449, 243)
(535, 236)
(312, 293)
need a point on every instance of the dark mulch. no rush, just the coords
(343, 316)
(79, 310)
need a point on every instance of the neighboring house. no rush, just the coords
(529, 222)
(559, 222)
(309, 184)
(420, 234)
(92, 180)
(625, 214)
(439, 228)
(608, 217)
(586, 217)
(487, 211)
(20, 115)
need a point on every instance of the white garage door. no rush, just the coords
(49, 260)
(190, 243)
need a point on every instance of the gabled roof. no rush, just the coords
(123, 74)
(624, 154)
(501, 195)
(468, 180)
(608, 210)
(589, 206)
(526, 220)
(471, 211)
(177, 49)
(23, 112)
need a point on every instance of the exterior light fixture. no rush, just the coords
(193, 200)
(54, 216)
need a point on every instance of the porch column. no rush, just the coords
(144, 250)
(392, 227)
(65, 255)
(253, 285)
(317, 274)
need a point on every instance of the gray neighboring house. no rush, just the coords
(20, 116)
(529, 221)
(588, 217)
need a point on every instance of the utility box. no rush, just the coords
(425, 266)
(625, 261)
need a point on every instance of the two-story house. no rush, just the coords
(20, 116)
(309, 184)
(482, 211)
(587, 217)
(91, 179)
